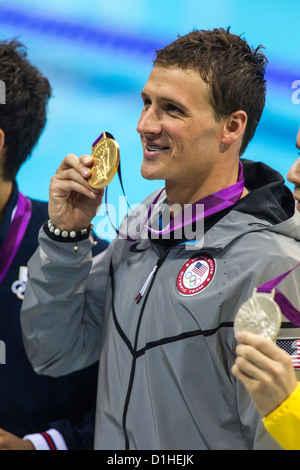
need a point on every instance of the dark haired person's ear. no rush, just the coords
(234, 128)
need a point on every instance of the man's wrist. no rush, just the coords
(66, 236)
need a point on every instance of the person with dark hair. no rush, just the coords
(158, 306)
(51, 413)
(24, 114)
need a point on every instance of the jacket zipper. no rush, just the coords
(145, 289)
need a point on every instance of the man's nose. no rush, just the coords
(149, 123)
(293, 175)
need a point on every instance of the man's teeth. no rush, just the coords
(153, 148)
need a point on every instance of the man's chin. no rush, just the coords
(150, 175)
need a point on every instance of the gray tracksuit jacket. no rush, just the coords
(165, 377)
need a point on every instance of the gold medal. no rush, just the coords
(106, 154)
(260, 314)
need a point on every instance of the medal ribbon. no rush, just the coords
(289, 311)
(15, 234)
(213, 203)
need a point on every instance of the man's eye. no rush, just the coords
(147, 103)
(173, 109)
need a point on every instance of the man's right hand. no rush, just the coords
(73, 203)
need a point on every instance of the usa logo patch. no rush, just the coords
(195, 275)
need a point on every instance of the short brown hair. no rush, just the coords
(234, 71)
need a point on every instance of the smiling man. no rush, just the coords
(161, 316)
(181, 137)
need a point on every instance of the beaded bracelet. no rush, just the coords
(68, 236)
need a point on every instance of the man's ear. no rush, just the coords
(234, 127)
(2, 139)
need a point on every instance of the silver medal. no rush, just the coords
(260, 314)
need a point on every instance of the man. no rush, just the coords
(161, 315)
(267, 371)
(52, 413)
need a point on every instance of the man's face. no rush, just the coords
(179, 133)
(294, 174)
